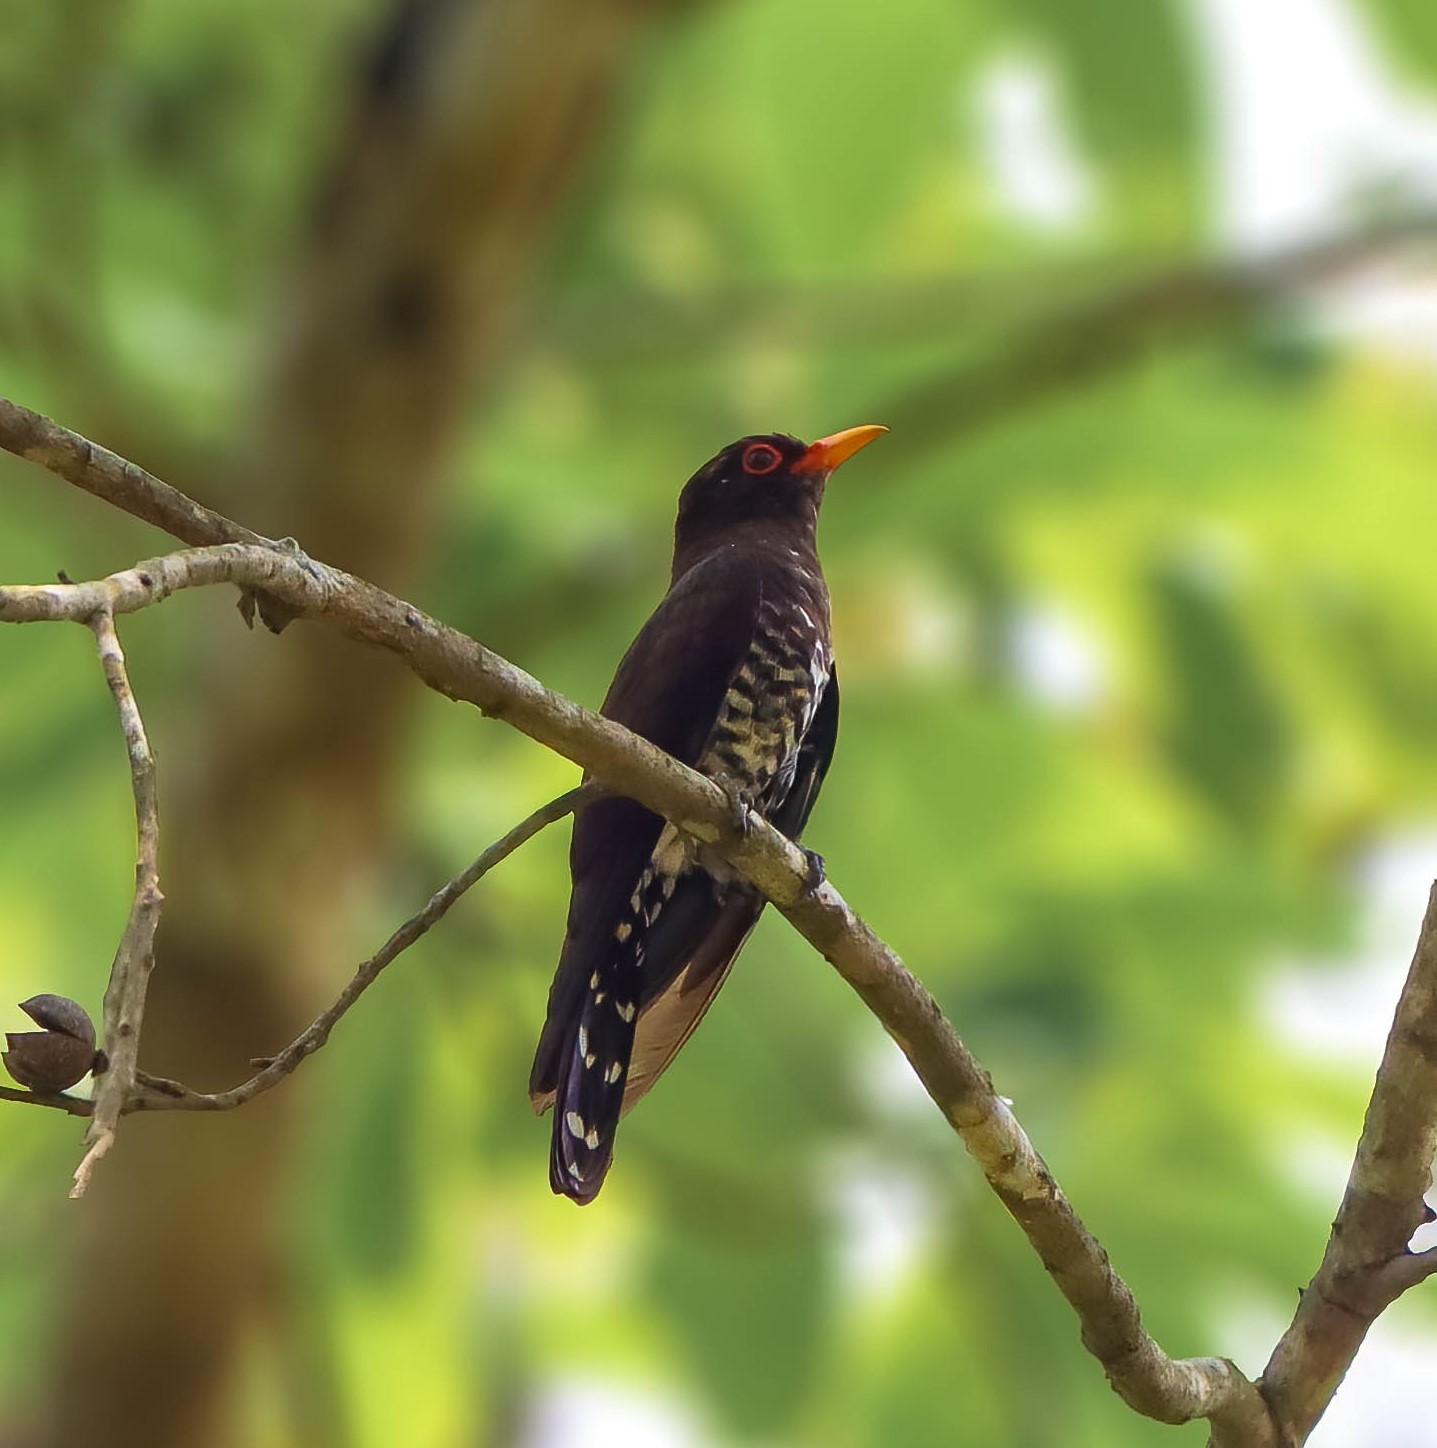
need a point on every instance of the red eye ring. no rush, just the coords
(760, 458)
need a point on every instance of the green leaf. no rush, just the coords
(1132, 90)
(1411, 27)
(747, 1290)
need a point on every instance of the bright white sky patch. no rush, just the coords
(886, 1223)
(1386, 1399)
(1345, 1011)
(1389, 304)
(1036, 172)
(1307, 117)
(1057, 660)
(600, 1414)
(891, 1086)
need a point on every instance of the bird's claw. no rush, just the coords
(814, 875)
(739, 817)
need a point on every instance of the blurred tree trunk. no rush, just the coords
(469, 120)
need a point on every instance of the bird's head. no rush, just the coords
(770, 483)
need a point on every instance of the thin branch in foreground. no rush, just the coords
(135, 957)
(459, 667)
(158, 1093)
(57, 1100)
(1397, 1143)
(1367, 1265)
(155, 1093)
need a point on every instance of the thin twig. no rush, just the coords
(58, 1100)
(1366, 1255)
(158, 1093)
(459, 667)
(155, 1093)
(135, 957)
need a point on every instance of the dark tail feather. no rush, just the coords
(589, 1098)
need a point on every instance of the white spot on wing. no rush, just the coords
(626, 1012)
(575, 1123)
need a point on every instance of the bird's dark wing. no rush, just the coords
(697, 962)
(669, 688)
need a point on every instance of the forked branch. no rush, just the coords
(1169, 1390)
(158, 1093)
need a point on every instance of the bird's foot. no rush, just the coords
(739, 817)
(813, 876)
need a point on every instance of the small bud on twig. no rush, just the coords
(58, 1056)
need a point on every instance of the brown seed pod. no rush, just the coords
(58, 1056)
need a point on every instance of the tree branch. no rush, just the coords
(1125, 304)
(158, 1094)
(1172, 1391)
(1367, 1265)
(58, 1100)
(135, 957)
(1098, 335)
(96, 470)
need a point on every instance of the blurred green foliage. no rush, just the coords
(1229, 541)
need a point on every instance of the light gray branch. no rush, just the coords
(135, 957)
(1367, 1264)
(1172, 1391)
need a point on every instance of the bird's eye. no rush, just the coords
(760, 458)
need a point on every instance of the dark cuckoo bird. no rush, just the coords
(732, 674)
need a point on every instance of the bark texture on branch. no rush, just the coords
(1367, 1265)
(1159, 1386)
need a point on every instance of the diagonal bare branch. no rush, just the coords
(57, 1100)
(1170, 1390)
(157, 1094)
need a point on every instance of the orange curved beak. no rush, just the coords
(828, 452)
